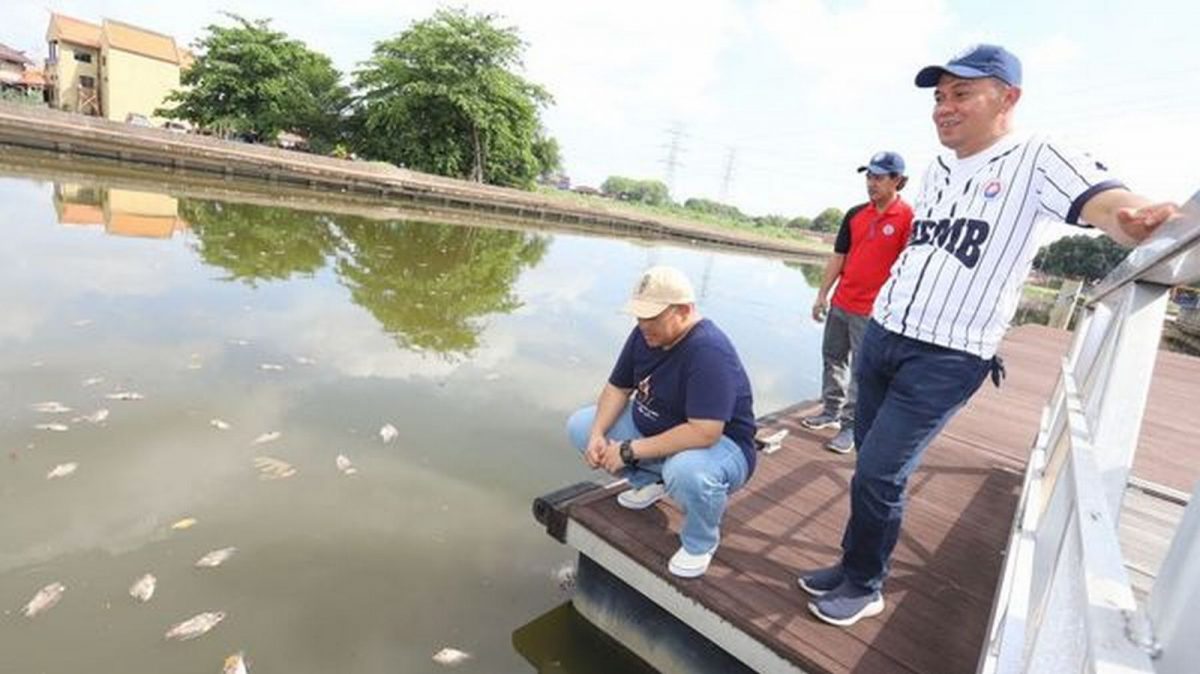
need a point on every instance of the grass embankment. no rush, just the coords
(807, 239)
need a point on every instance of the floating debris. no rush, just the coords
(388, 432)
(52, 427)
(451, 657)
(50, 407)
(125, 395)
(94, 418)
(219, 424)
(270, 468)
(235, 664)
(272, 367)
(344, 465)
(82, 323)
(184, 524)
(92, 381)
(267, 437)
(62, 470)
(195, 626)
(44, 600)
(143, 588)
(565, 577)
(215, 558)
(304, 360)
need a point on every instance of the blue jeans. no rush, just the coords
(698, 480)
(907, 391)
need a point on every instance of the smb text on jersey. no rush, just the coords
(977, 224)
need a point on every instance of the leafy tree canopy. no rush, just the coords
(1085, 257)
(829, 220)
(250, 79)
(714, 208)
(443, 97)
(653, 192)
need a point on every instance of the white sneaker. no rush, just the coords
(637, 499)
(686, 565)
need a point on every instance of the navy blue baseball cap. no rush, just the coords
(983, 60)
(883, 163)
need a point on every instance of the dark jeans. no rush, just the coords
(907, 391)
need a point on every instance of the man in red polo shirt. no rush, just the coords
(869, 241)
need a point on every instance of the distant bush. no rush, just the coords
(653, 192)
(714, 208)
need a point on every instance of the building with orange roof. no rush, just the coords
(114, 70)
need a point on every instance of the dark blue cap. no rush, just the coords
(983, 60)
(883, 163)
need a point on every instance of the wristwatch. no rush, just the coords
(627, 453)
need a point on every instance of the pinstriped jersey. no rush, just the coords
(977, 224)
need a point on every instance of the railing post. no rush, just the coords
(1116, 403)
(1176, 595)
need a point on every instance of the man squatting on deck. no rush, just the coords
(688, 430)
(938, 320)
(868, 243)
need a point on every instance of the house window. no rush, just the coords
(83, 57)
(87, 82)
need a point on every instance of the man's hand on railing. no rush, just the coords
(1126, 217)
(1145, 219)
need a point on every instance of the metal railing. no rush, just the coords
(1065, 603)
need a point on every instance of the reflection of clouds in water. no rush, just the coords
(21, 320)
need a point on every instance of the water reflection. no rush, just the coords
(120, 212)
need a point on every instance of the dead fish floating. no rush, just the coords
(270, 468)
(343, 464)
(185, 523)
(44, 600)
(219, 424)
(388, 432)
(58, 428)
(50, 407)
(92, 381)
(62, 470)
(271, 367)
(451, 657)
(96, 417)
(267, 437)
(215, 558)
(235, 664)
(196, 626)
(125, 395)
(143, 588)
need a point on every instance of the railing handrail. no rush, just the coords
(1170, 257)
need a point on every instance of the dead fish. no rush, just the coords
(125, 395)
(143, 588)
(267, 437)
(44, 600)
(94, 418)
(344, 465)
(195, 626)
(388, 432)
(50, 407)
(62, 470)
(82, 323)
(305, 360)
(185, 523)
(219, 425)
(215, 558)
(565, 577)
(52, 427)
(451, 657)
(92, 381)
(235, 664)
(270, 468)
(273, 367)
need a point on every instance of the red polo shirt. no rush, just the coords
(871, 242)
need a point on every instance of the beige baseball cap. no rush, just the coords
(658, 288)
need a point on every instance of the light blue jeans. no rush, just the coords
(698, 480)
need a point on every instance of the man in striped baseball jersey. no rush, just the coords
(940, 316)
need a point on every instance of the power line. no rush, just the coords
(674, 149)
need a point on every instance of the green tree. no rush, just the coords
(714, 208)
(549, 155)
(829, 220)
(653, 192)
(443, 97)
(1089, 258)
(250, 79)
(800, 222)
(770, 221)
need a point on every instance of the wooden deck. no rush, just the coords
(946, 565)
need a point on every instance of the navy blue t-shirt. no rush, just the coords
(701, 377)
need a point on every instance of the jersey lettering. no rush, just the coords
(962, 237)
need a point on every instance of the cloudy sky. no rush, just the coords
(772, 103)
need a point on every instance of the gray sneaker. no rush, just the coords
(843, 442)
(822, 420)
